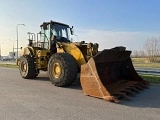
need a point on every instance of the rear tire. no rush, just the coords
(62, 69)
(27, 67)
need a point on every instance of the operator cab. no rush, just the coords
(52, 32)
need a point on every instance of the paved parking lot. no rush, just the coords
(38, 99)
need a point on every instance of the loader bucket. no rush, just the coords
(110, 75)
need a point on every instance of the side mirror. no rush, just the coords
(44, 26)
(72, 30)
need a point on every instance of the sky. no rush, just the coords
(110, 23)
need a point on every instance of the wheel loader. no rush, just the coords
(108, 74)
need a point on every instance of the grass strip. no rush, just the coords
(147, 65)
(151, 78)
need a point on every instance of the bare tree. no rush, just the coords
(135, 54)
(138, 54)
(142, 54)
(152, 48)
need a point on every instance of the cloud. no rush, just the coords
(109, 39)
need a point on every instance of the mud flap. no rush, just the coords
(110, 75)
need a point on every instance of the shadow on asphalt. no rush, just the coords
(41, 79)
(76, 85)
(148, 98)
(44, 77)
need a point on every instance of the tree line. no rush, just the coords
(151, 50)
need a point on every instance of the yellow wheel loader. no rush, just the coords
(108, 74)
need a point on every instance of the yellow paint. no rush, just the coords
(24, 66)
(17, 61)
(75, 52)
(61, 48)
(42, 54)
(56, 70)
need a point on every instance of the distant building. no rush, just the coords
(13, 54)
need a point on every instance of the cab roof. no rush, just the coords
(54, 22)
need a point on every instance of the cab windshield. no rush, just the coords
(59, 31)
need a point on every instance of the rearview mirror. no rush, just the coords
(72, 30)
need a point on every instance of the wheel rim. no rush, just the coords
(56, 70)
(24, 66)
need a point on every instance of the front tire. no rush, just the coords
(27, 67)
(62, 69)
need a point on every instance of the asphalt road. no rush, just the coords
(38, 99)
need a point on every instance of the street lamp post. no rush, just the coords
(0, 49)
(17, 36)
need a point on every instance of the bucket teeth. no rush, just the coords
(146, 83)
(123, 95)
(110, 75)
(115, 99)
(138, 87)
(143, 85)
(111, 98)
(130, 92)
(133, 88)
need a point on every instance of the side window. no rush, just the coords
(47, 33)
(64, 33)
(42, 35)
(45, 37)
